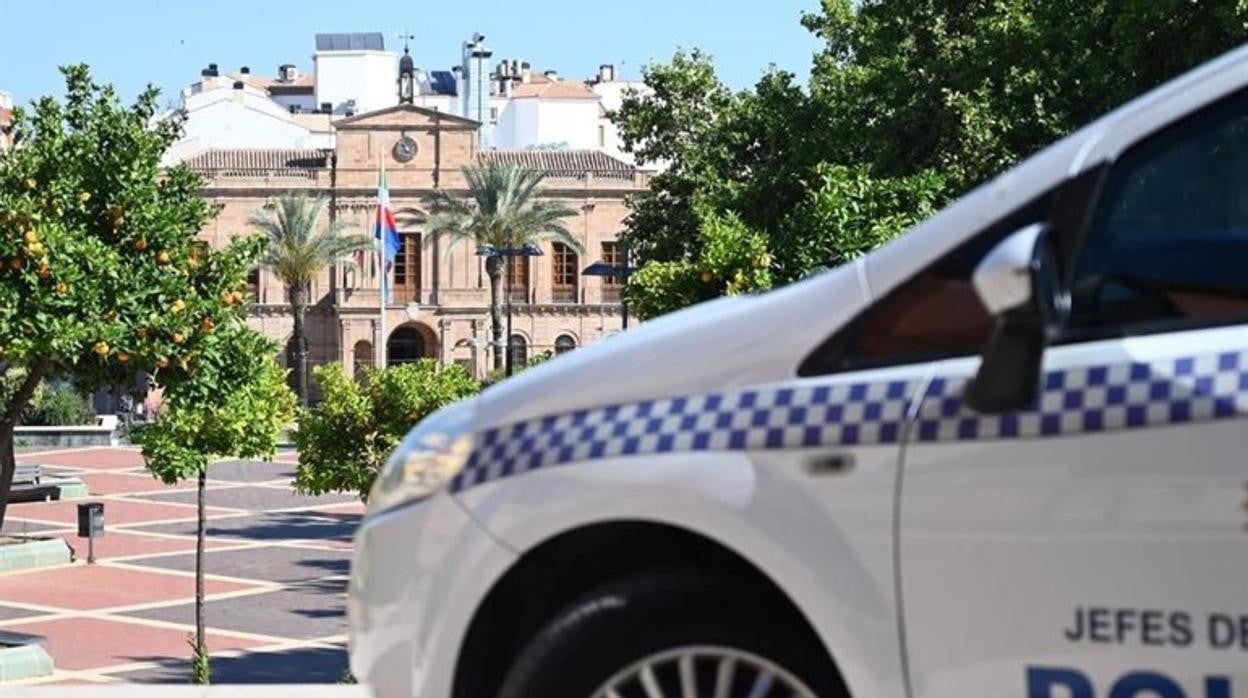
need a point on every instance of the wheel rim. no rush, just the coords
(704, 671)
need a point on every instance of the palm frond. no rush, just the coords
(299, 247)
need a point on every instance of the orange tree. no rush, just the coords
(232, 402)
(101, 278)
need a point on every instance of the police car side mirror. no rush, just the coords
(1018, 283)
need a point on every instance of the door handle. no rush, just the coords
(830, 464)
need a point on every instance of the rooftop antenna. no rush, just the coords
(406, 38)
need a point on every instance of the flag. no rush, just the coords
(385, 232)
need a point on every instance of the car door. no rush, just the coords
(1094, 544)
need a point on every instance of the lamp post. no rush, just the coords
(613, 271)
(529, 250)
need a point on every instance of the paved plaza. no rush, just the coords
(276, 562)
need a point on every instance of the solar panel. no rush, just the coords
(360, 41)
(442, 82)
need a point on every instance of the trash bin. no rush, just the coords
(90, 519)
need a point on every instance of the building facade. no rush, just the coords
(514, 105)
(439, 307)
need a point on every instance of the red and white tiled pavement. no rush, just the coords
(276, 563)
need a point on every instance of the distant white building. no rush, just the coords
(6, 118)
(517, 107)
(243, 111)
(354, 73)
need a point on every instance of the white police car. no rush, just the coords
(1002, 456)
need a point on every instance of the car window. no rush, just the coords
(1168, 243)
(935, 314)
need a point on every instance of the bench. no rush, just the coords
(28, 485)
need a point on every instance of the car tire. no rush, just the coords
(664, 617)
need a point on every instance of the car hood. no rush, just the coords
(719, 344)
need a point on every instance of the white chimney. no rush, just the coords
(552, 75)
(606, 73)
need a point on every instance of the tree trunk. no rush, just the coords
(494, 269)
(12, 412)
(201, 643)
(298, 353)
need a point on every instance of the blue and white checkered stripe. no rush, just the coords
(749, 419)
(1095, 399)
(1074, 401)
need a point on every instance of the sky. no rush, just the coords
(166, 42)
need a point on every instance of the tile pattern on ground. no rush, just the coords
(123, 483)
(91, 643)
(94, 458)
(85, 587)
(116, 511)
(288, 570)
(272, 526)
(312, 664)
(248, 472)
(125, 544)
(272, 564)
(14, 525)
(251, 498)
(305, 611)
(12, 613)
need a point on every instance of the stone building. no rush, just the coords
(439, 307)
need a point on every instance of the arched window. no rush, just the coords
(363, 355)
(519, 349)
(406, 344)
(564, 273)
(564, 343)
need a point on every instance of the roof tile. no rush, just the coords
(253, 159)
(562, 163)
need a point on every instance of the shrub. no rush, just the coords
(499, 374)
(57, 406)
(344, 441)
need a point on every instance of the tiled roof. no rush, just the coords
(557, 89)
(257, 160)
(563, 163)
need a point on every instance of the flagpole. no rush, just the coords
(381, 272)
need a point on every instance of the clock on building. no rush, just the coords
(405, 149)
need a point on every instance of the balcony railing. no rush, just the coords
(611, 294)
(563, 294)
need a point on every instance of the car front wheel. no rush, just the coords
(673, 633)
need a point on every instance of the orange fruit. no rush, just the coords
(162, 257)
(140, 244)
(101, 348)
(123, 357)
(178, 338)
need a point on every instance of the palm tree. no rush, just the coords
(299, 248)
(500, 211)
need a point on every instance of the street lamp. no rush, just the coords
(529, 250)
(613, 271)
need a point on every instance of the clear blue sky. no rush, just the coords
(167, 42)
